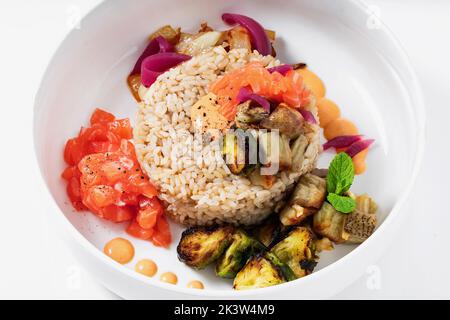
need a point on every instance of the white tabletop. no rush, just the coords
(35, 264)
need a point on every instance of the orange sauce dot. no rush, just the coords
(169, 277)
(195, 284)
(328, 111)
(359, 162)
(120, 250)
(339, 127)
(146, 267)
(313, 82)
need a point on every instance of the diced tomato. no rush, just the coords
(121, 128)
(100, 196)
(140, 183)
(135, 230)
(74, 193)
(162, 236)
(131, 199)
(118, 214)
(70, 172)
(73, 152)
(104, 177)
(149, 212)
(101, 116)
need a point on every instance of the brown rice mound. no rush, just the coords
(194, 181)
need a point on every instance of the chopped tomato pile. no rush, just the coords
(273, 86)
(104, 176)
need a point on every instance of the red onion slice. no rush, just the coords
(155, 65)
(359, 146)
(258, 35)
(283, 69)
(157, 45)
(308, 116)
(245, 94)
(342, 142)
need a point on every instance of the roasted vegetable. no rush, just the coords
(329, 223)
(298, 152)
(201, 246)
(361, 223)
(271, 34)
(295, 214)
(240, 152)
(258, 272)
(322, 173)
(275, 149)
(287, 272)
(238, 38)
(354, 227)
(195, 44)
(307, 197)
(235, 257)
(204, 27)
(285, 119)
(170, 34)
(257, 179)
(234, 154)
(269, 231)
(296, 248)
(323, 244)
(310, 192)
(248, 115)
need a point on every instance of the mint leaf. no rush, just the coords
(341, 203)
(340, 174)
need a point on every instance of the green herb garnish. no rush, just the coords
(342, 204)
(339, 180)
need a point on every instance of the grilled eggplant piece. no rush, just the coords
(322, 173)
(265, 181)
(329, 223)
(297, 249)
(238, 38)
(274, 148)
(193, 44)
(287, 272)
(170, 34)
(366, 204)
(308, 196)
(295, 214)
(310, 191)
(201, 246)
(248, 115)
(269, 232)
(323, 244)
(237, 254)
(349, 228)
(298, 152)
(285, 119)
(361, 223)
(258, 272)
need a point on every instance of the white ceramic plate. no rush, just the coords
(365, 71)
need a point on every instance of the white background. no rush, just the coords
(34, 264)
